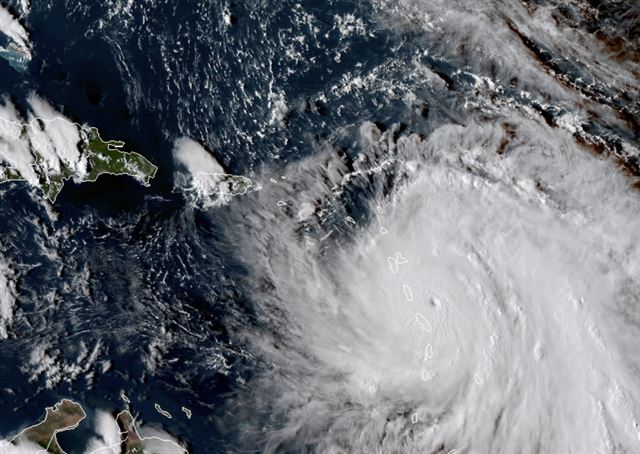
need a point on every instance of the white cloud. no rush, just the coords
(24, 447)
(57, 139)
(14, 143)
(522, 324)
(7, 299)
(201, 177)
(46, 134)
(108, 439)
(154, 440)
(195, 158)
(11, 27)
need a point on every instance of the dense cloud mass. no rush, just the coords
(489, 303)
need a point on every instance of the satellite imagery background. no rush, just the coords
(333, 226)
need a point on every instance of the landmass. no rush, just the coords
(65, 415)
(108, 158)
(224, 185)
(201, 176)
(63, 151)
(17, 57)
(15, 45)
(131, 441)
(237, 184)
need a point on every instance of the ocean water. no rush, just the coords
(439, 252)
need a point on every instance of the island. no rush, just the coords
(59, 150)
(65, 415)
(15, 44)
(131, 441)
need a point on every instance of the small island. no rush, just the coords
(15, 44)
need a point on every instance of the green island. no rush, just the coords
(106, 157)
(99, 157)
(65, 415)
(9, 174)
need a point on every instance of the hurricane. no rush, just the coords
(488, 305)
(488, 300)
